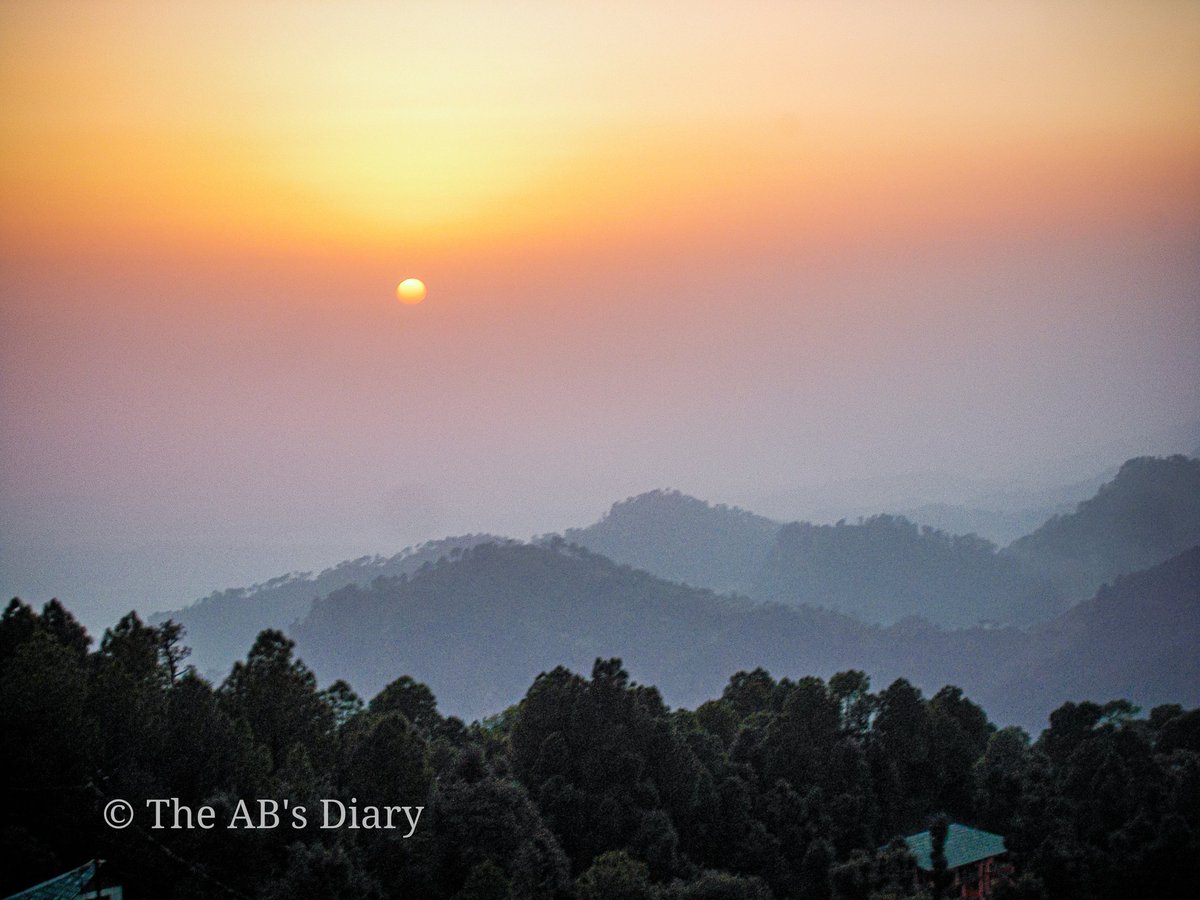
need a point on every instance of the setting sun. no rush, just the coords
(411, 291)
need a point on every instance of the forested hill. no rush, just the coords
(1148, 513)
(219, 625)
(1135, 638)
(683, 539)
(880, 569)
(885, 568)
(478, 628)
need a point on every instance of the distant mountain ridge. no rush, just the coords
(477, 628)
(882, 569)
(218, 625)
(886, 568)
(1137, 637)
(1148, 513)
(998, 526)
(683, 539)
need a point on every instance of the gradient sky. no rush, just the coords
(736, 249)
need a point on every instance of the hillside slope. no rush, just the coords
(477, 629)
(683, 539)
(219, 625)
(1147, 514)
(886, 568)
(1135, 638)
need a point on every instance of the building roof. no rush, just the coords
(964, 846)
(63, 887)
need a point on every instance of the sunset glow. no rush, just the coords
(731, 249)
(190, 124)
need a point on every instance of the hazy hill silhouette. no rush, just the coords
(885, 568)
(879, 569)
(1148, 513)
(479, 628)
(219, 625)
(999, 526)
(882, 569)
(476, 629)
(683, 539)
(1137, 638)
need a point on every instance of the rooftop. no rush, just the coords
(964, 845)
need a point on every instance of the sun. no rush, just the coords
(411, 291)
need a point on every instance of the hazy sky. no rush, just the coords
(730, 248)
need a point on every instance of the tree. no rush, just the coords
(277, 697)
(410, 698)
(656, 844)
(614, 876)
(127, 695)
(959, 732)
(317, 870)
(63, 627)
(851, 690)
(718, 886)
(899, 752)
(814, 870)
(800, 739)
(133, 648)
(1070, 725)
(17, 625)
(43, 693)
(749, 692)
(887, 872)
(383, 761)
(342, 702)
(1001, 777)
(481, 817)
(486, 881)
(942, 876)
(1180, 732)
(171, 649)
(196, 768)
(44, 745)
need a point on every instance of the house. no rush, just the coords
(972, 856)
(71, 886)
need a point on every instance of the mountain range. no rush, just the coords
(687, 592)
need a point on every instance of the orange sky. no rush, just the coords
(446, 128)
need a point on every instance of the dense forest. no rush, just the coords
(589, 787)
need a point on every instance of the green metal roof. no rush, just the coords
(64, 887)
(964, 845)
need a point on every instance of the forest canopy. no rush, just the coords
(591, 786)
